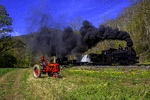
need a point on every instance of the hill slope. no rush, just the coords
(28, 38)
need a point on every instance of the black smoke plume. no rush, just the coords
(54, 43)
(91, 35)
(61, 43)
(45, 42)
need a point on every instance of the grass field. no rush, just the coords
(78, 84)
(5, 70)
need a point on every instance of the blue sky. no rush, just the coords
(61, 11)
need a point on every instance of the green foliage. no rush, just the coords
(12, 51)
(8, 59)
(4, 20)
(8, 48)
(26, 60)
(140, 48)
(20, 63)
(7, 43)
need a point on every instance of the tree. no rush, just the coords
(6, 41)
(104, 20)
(8, 44)
(5, 21)
(76, 23)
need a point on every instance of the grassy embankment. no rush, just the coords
(87, 84)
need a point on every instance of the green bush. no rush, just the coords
(8, 60)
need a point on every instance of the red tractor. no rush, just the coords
(52, 70)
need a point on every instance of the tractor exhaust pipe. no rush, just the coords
(54, 59)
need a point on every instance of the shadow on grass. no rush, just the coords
(46, 76)
(43, 77)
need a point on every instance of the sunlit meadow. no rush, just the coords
(108, 83)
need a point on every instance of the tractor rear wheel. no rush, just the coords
(56, 75)
(36, 71)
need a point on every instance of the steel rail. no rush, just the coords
(98, 66)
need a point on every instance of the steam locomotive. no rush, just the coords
(126, 56)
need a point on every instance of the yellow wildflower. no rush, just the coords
(133, 73)
(105, 84)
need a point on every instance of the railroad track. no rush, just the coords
(99, 66)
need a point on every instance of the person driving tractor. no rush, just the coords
(43, 62)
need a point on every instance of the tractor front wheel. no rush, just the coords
(56, 75)
(36, 71)
(49, 74)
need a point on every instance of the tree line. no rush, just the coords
(12, 49)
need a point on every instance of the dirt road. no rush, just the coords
(10, 85)
(22, 85)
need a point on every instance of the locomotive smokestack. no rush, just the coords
(129, 51)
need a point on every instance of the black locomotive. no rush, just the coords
(111, 56)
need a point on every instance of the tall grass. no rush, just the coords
(5, 70)
(25, 92)
(111, 84)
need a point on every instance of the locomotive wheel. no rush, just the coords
(84, 64)
(123, 62)
(131, 62)
(49, 74)
(80, 64)
(36, 71)
(56, 75)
